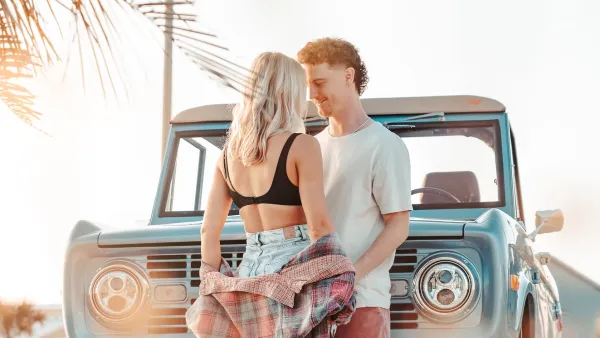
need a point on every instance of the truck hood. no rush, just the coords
(189, 233)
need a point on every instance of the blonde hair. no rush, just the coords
(272, 104)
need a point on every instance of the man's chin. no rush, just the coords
(323, 113)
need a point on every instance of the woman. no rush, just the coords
(272, 173)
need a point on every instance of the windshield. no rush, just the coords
(453, 165)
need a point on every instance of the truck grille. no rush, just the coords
(167, 320)
(184, 268)
(403, 316)
(405, 261)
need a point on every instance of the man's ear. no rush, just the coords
(349, 75)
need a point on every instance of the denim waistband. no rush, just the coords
(277, 235)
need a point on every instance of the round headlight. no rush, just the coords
(117, 293)
(446, 287)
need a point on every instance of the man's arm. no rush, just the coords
(392, 236)
(392, 192)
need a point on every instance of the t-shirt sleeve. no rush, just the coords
(391, 178)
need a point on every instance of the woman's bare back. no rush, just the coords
(256, 180)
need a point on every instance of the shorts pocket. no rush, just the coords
(275, 265)
(244, 268)
(298, 241)
(284, 253)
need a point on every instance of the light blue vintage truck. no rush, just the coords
(469, 267)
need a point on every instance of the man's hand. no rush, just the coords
(392, 236)
(358, 273)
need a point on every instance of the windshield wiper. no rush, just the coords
(426, 116)
(401, 124)
(398, 125)
(389, 125)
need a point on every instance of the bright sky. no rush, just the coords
(540, 58)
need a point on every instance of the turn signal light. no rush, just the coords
(514, 282)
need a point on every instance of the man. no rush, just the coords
(366, 179)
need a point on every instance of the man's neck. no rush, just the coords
(348, 121)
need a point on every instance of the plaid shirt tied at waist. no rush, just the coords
(309, 297)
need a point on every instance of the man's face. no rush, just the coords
(330, 86)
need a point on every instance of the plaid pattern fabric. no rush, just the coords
(309, 297)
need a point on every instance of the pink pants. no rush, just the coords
(367, 322)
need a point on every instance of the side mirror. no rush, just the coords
(547, 221)
(544, 257)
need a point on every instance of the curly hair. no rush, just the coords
(336, 51)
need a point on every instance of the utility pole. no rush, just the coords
(167, 76)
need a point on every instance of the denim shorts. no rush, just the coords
(268, 251)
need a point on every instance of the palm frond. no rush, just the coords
(21, 21)
(25, 44)
(15, 64)
(203, 48)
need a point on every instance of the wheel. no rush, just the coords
(527, 324)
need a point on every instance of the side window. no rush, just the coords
(188, 177)
(193, 173)
(516, 193)
(516, 186)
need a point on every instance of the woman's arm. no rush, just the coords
(309, 164)
(217, 209)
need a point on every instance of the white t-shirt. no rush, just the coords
(366, 175)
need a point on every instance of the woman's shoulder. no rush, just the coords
(306, 141)
(221, 159)
(306, 146)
